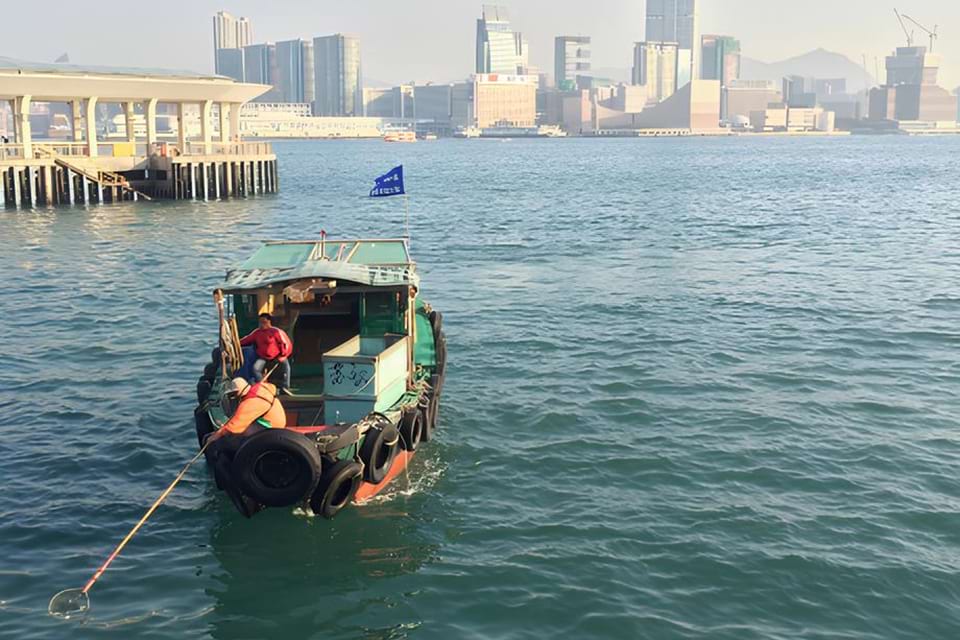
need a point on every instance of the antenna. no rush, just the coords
(933, 34)
(905, 30)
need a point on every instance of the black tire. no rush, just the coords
(215, 356)
(204, 387)
(203, 424)
(428, 401)
(210, 371)
(221, 473)
(441, 350)
(337, 486)
(277, 468)
(436, 321)
(411, 429)
(378, 451)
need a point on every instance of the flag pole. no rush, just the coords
(406, 206)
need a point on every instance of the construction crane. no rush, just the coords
(903, 25)
(933, 34)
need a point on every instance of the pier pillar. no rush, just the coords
(16, 187)
(128, 118)
(206, 132)
(48, 185)
(216, 179)
(76, 113)
(235, 121)
(206, 181)
(228, 175)
(193, 180)
(151, 113)
(21, 124)
(32, 185)
(181, 129)
(71, 196)
(91, 127)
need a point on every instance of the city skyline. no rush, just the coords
(853, 28)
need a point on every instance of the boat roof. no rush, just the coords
(382, 262)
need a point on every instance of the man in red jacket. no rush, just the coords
(272, 345)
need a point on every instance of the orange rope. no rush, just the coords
(133, 532)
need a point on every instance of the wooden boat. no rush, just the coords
(368, 369)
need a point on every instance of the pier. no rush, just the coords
(88, 163)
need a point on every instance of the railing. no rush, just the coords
(68, 149)
(229, 148)
(11, 151)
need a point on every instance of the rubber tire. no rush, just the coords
(215, 356)
(210, 371)
(203, 424)
(330, 487)
(246, 506)
(204, 387)
(436, 321)
(376, 463)
(411, 429)
(427, 406)
(297, 447)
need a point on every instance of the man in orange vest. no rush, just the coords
(273, 345)
(259, 408)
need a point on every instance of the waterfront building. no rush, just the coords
(230, 64)
(743, 97)
(295, 71)
(571, 59)
(290, 120)
(338, 80)
(499, 100)
(795, 93)
(911, 93)
(395, 102)
(654, 66)
(433, 108)
(676, 21)
(260, 67)
(229, 33)
(719, 59)
(498, 48)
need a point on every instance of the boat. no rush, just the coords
(466, 132)
(367, 372)
(400, 136)
(506, 131)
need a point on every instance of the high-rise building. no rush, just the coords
(655, 67)
(260, 67)
(571, 58)
(229, 33)
(500, 101)
(676, 21)
(911, 92)
(719, 59)
(230, 64)
(338, 81)
(499, 49)
(295, 71)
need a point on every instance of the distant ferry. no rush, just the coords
(400, 136)
(500, 131)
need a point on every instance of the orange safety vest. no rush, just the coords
(260, 404)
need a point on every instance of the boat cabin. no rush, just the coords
(362, 338)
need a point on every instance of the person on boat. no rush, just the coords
(259, 409)
(272, 345)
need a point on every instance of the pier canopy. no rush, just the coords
(83, 87)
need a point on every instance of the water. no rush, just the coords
(698, 388)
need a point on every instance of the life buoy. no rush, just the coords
(411, 428)
(378, 451)
(221, 470)
(277, 468)
(337, 486)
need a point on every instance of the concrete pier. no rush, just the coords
(141, 164)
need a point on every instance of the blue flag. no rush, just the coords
(389, 184)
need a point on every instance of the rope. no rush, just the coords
(133, 532)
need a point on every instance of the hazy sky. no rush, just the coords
(421, 40)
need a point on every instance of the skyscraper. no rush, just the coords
(655, 66)
(499, 49)
(229, 33)
(295, 71)
(676, 21)
(260, 66)
(720, 60)
(571, 58)
(338, 80)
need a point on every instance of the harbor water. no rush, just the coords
(697, 388)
